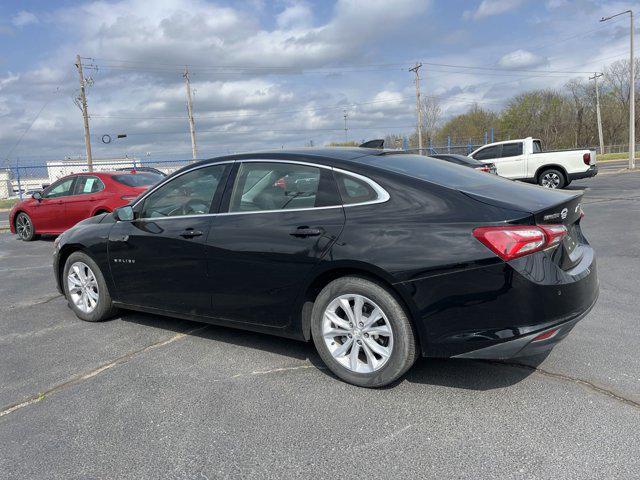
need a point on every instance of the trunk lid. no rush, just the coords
(547, 207)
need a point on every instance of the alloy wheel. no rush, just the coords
(83, 287)
(357, 333)
(23, 226)
(550, 180)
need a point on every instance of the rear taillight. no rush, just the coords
(586, 158)
(509, 242)
(484, 168)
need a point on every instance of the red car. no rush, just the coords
(74, 198)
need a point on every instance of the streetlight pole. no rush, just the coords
(632, 91)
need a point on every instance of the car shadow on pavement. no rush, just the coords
(455, 373)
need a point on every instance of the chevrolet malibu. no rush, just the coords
(376, 256)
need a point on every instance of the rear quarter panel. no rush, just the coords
(570, 160)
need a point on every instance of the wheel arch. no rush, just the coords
(552, 166)
(100, 210)
(332, 272)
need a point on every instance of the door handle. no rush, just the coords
(190, 233)
(306, 232)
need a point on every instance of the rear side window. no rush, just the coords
(489, 152)
(264, 186)
(88, 184)
(537, 147)
(512, 149)
(353, 190)
(142, 179)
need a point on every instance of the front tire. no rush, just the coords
(552, 178)
(24, 227)
(362, 333)
(86, 289)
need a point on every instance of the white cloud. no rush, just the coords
(24, 18)
(521, 59)
(298, 15)
(488, 8)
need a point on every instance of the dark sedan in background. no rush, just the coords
(466, 162)
(376, 256)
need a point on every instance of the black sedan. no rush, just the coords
(466, 162)
(376, 257)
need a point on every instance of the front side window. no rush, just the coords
(60, 189)
(264, 186)
(512, 149)
(88, 184)
(489, 152)
(191, 193)
(353, 190)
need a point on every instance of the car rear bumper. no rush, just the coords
(495, 311)
(592, 171)
(537, 343)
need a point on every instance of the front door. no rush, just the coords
(282, 219)
(49, 214)
(158, 259)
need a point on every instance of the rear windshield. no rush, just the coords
(433, 170)
(141, 179)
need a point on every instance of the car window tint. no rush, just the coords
(353, 190)
(512, 149)
(88, 184)
(489, 152)
(188, 194)
(60, 189)
(141, 179)
(263, 186)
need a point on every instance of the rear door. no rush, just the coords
(83, 201)
(282, 219)
(49, 214)
(512, 162)
(158, 259)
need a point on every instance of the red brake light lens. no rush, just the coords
(484, 168)
(513, 241)
(586, 158)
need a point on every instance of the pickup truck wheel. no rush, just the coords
(552, 178)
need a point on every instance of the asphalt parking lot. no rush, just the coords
(144, 396)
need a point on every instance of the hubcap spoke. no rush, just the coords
(353, 356)
(346, 308)
(383, 330)
(377, 348)
(342, 349)
(336, 320)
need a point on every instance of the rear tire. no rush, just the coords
(24, 227)
(86, 289)
(362, 333)
(552, 178)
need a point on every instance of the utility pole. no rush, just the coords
(85, 115)
(192, 125)
(632, 90)
(416, 70)
(595, 78)
(346, 130)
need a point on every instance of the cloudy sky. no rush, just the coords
(277, 73)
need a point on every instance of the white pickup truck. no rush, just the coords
(524, 160)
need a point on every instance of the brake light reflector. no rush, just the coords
(586, 158)
(545, 335)
(484, 168)
(514, 241)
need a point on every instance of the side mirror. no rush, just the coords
(37, 196)
(124, 214)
